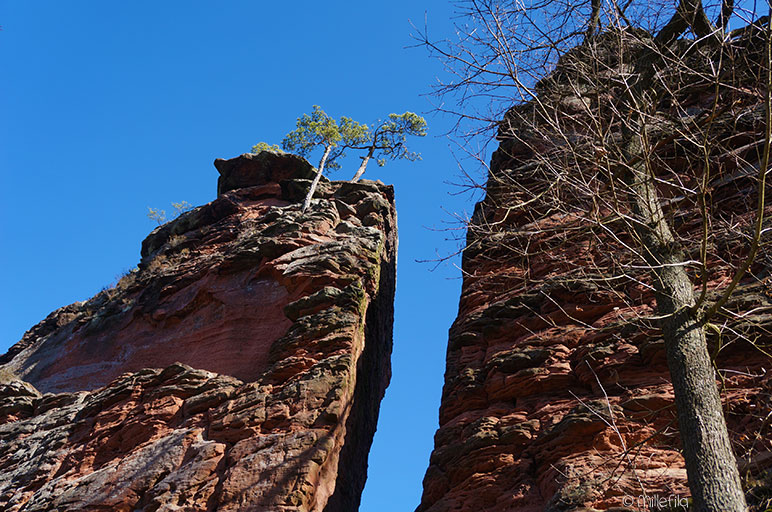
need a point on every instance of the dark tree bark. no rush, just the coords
(714, 479)
(592, 26)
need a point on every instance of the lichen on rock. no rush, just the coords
(240, 367)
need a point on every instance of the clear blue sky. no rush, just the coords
(107, 108)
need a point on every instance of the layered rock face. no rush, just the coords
(239, 368)
(557, 394)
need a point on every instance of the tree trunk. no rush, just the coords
(710, 463)
(711, 467)
(363, 165)
(315, 183)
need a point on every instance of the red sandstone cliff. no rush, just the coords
(239, 368)
(557, 394)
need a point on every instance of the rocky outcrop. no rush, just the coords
(240, 367)
(557, 395)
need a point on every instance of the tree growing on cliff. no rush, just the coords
(319, 130)
(622, 120)
(387, 140)
(264, 146)
(159, 216)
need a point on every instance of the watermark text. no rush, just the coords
(656, 502)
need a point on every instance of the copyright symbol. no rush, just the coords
(628, 501)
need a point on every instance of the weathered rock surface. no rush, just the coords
(557, 395)
(239, 368)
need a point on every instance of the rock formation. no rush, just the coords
(240, 367)
(557, 395)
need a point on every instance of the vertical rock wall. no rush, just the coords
(557, 395)
(239, 368)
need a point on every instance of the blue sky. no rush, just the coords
(110, 107)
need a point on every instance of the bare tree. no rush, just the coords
(621, 119)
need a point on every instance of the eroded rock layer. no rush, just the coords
(557, 394)
(239, 368)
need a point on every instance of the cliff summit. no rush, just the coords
(239, 368)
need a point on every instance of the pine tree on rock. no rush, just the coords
(320, 130)
(264, 146)
(388, 140)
